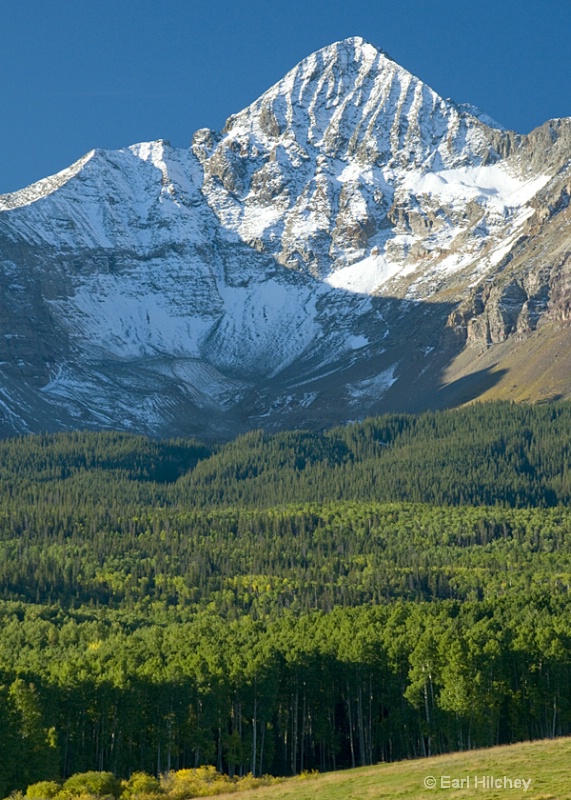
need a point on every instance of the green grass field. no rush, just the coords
(546, 764)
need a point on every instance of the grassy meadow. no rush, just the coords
(546, 763)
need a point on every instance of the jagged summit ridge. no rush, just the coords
(350, 100)
(269, 274)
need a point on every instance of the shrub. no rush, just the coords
(98, 784)
(206, 782)
(249, 782)
(43, 790)
(199, 782)
(141, 786)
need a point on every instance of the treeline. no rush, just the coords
(302, 691)
(488, 454)
(496, 453)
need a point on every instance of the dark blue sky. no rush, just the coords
(76, 74)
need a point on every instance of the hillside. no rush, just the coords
(491, 453)
(394, 589)
(544, 764)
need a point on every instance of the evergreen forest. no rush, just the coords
(394, 588)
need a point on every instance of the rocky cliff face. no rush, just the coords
(530, 284)
(341, 248)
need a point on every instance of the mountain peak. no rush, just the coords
(360, 48)
(275, 273)
(350, 100)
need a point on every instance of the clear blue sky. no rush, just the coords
(79, 74)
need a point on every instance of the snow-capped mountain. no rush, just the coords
(350, 243)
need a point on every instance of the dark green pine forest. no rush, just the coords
(391, 589)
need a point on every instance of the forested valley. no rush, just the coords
(391, 589)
